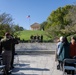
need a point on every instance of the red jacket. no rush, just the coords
(73, 50)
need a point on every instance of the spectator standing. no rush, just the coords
(64, 51)
(73, 47)
(56, 53)
(6, 46)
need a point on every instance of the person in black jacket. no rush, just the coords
(15, 41)
(41, 38)
(6, 46)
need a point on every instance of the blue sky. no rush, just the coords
(38, 10)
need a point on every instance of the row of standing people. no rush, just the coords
(36, 38)
(65, 50)
(7, 50)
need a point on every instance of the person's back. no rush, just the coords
(41, 38)
(31, 37)
(6, 44)
(64, 50)
(58, 44)
(73, 47)
(59, 41)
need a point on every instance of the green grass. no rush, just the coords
(27, 33)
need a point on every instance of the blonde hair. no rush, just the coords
(61, 38)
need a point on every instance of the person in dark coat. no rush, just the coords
(6, 46)
(31, 38)
(15, 41)
(73, 47)
(41, 38)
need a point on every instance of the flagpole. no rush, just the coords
(29, 22)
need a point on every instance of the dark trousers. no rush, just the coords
(12, 59)
(6, 55)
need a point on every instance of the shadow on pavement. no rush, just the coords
(22, 74)
(34, 69)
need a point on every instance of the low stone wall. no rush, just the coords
(35, 48)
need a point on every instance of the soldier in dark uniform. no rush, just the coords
(38, 38)
(35, 38)
(41, 38)
(31, 38)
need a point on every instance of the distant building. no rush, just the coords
(35, 26)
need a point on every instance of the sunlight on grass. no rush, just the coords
(27, 33)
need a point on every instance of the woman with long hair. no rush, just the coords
(64, 51)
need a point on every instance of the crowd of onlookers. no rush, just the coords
(65, 50)
(7, 51)
(36, 38)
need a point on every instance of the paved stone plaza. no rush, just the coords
(36, 65)
(35, 59)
